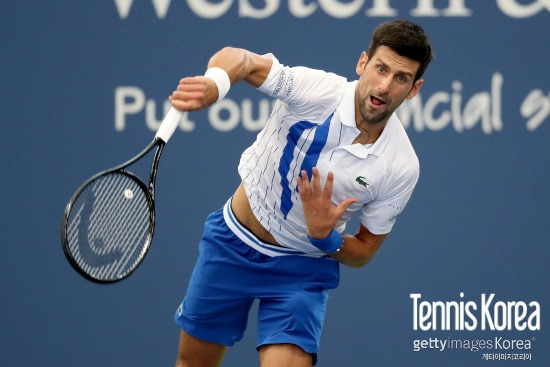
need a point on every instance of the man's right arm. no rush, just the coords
(195, 93)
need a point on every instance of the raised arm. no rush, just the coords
(195, 93)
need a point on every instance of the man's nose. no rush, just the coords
(384, 84)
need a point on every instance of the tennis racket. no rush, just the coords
(108, 224)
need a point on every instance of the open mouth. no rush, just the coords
(377, 101)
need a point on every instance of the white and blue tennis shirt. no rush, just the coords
(313, 125)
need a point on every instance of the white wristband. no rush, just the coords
(221, 79)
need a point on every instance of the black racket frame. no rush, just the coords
(150, 197)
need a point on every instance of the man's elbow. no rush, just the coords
(358, 262)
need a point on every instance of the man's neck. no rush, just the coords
(369, 133)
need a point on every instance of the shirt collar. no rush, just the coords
(346, 109)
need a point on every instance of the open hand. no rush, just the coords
(320, 214)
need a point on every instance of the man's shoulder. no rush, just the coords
(399, 148)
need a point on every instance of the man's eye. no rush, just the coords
(380, 69)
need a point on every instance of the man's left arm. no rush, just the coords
(359, 249)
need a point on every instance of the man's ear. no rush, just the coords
(361, 63)
(415, 89)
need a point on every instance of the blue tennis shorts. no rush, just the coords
(229, 275)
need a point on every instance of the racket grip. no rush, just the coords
(169, 124)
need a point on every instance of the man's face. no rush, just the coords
(384, 83)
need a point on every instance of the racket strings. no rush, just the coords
(110, 226)
(112, 215)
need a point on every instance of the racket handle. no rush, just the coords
(169, 124)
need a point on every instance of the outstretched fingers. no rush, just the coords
(304, 187)
(327, 195)
(310, 190)
(341, 208)
(327, 191)
(316, 182)
(320, 213)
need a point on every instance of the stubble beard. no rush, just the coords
(372, 118)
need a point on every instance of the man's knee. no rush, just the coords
(194, 352)
(274, 355)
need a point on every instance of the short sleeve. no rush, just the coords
(380, 215)
(310, 93)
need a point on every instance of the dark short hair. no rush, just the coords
(407, 39)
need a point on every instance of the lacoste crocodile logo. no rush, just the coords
(361, 181)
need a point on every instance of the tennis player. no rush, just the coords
(331, 148)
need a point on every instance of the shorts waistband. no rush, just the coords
(250, 239)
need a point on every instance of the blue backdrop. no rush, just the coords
(84, 85)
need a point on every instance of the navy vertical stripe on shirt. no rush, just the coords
(310, 160)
